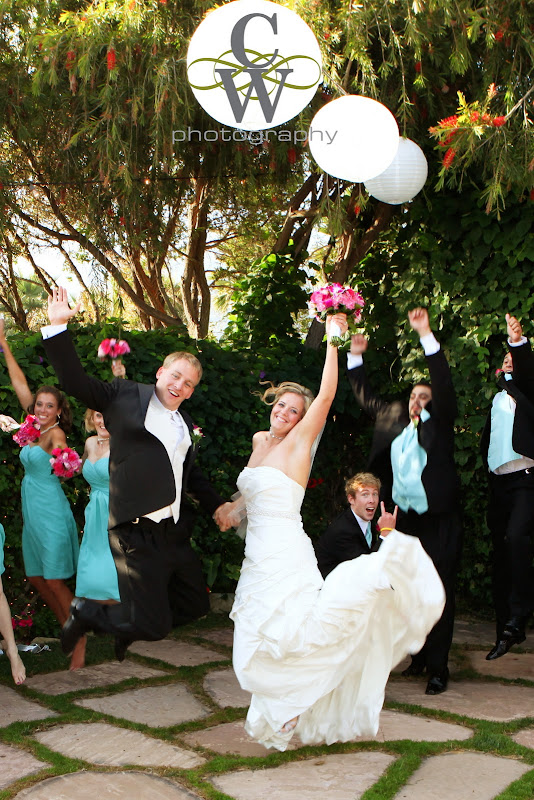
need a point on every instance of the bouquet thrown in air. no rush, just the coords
(29, 431)
(337, 299)
(112, 348)
(65, 462)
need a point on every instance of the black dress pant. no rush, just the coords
(441, 538)
(146, 554)
(511, 523)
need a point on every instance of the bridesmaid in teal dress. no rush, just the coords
(96, 577)
(49, 534)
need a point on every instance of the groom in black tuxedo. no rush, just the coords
(152, 455)
(413, 454)
(507, 446)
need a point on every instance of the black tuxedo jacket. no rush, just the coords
(343, 540)
(436, 435)
(521, 388)
(141, 479)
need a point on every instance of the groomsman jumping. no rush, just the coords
(412, 452)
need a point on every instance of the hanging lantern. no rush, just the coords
(404, 178)
(353, 138)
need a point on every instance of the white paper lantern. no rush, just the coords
(404, 178)
(354, 138)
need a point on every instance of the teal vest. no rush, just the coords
(500, 450)
(408, 460)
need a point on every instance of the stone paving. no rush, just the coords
(162, 735)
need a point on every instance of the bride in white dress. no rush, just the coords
(316, 654)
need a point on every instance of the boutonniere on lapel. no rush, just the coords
(196, 435)
(498, 372)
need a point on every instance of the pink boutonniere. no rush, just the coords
(29, 431)
(65, 462)
(196, 435)
(498, 372)
(416, 421)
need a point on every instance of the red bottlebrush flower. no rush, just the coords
(71, 59)
(474, 116)
(532, 195)
(448, 158)
(417, 66)
(1, 187)
(449, 122)
(448, 139)
(499, 35)
(111, 59)
(122, 220)
(327, 36)
(486, 118)
(497, 122)
(357, 210)
(291, 155)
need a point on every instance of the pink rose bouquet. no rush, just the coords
(29, 431)
(334, 299)
(65, 462)
(112, 348)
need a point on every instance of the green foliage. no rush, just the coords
(266, 301)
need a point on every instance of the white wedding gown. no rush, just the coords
(319, 649)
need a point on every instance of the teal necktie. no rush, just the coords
(368, 534)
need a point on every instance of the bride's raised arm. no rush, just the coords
(313, 421)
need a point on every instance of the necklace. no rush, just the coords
(272, 435)
(50, 428)
(102, 439)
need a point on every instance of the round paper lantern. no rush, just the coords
(404, 178)
(354, 138)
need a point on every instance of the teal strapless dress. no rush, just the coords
(49, 534)
(97, 576)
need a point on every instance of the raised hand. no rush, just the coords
(337, 319)
(418, 319)
(358, 344)
(117, 367)
(387, 522)
(59, 311)
(514, 329)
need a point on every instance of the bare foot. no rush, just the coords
(77, 660)
(18, 669)
(289, 726)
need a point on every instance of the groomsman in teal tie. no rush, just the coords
(413, 454)
(507, 446)
(350, 534)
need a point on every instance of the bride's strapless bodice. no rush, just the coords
(270, 492)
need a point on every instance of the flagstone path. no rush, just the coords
(154, 726)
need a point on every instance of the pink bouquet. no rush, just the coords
(112, 348)
(29, 431)
(334, 299)
(65, 462)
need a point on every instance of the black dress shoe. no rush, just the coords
(71, 633)
(414, 670)
(121, 646)
(501, 647)
(438, 683)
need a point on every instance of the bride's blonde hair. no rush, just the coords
(271, 395)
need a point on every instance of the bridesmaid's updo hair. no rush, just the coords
(65, 418)
(90, 426)
(273, 394)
